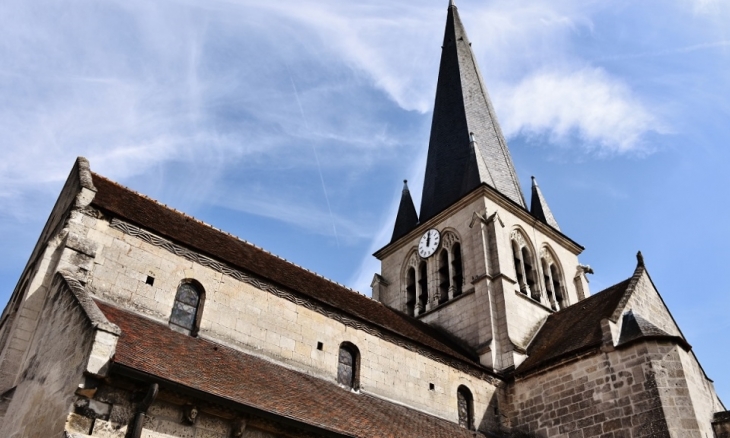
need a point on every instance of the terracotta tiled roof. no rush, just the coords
(152, 348)
(161, 220)
(574, 329)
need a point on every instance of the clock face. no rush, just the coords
(429, 243)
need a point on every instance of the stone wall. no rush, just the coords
(461, 321)
(110, 410)
(239, 314)
(702, 392)
(45, 390)
(639, 391)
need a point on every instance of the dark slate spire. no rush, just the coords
(462, 107)
(539, 207)
(407, 217)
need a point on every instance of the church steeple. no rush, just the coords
(462, 113)
(407, 218)
(539, 207)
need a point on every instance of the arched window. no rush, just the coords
(457, 269)
(558, 287)
(524, 266)
(411, 291)
(422, 287)
(553, 280)
(444, 276)
(187, 309)
(465, 405)
(348, 366)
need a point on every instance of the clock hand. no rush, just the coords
(428, 239)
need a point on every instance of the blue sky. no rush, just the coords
(292, 124)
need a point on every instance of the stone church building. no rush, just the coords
(132, 319)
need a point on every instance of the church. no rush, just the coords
(132, 319)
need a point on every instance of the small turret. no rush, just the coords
(539, 207)
(407, 217)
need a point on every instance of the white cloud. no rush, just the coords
(588, 103)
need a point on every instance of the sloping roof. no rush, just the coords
(574, 329)
(635, 327)
(161, 220)
(152, 348)
(539, 207)
(462, 107)
(407, 218)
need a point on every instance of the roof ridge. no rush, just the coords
(187, 216)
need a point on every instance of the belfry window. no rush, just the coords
(411, 291)
(553, 280)
(422, 287)
(465, 406)
(348, 366)
(444, 276)
(525, 268)
(457, 269)
(186, 309)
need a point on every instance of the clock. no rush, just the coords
(429, 243)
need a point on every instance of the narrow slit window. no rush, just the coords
(457, 268)
(444, 279)
(422, 287)
(411, 292)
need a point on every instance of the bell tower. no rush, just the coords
(476, 261)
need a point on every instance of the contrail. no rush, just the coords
(316, 157)
(665, 52)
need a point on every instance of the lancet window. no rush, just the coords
(444, 276)
(525, 267)
(465, 406)
(457, 269)
(446, 266)
(422, 287)
(553, 280)
(411, 291)
(186, 309)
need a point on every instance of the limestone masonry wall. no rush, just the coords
(634, 392)
(45, 392)
(110, 410)
(245, 317)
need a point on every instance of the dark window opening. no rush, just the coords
(530, 274)
(457, 267)
(557, 286)
(431, 386)
(465, 404)
(150, 280)
(348, 364)
(320, 346)
(444, 280)
(422, 287)
(186, 309)
(411, 292)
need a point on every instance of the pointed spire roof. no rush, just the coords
(463, 110)
(539, 207)
(407, 218)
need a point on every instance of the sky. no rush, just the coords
(292, 124)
